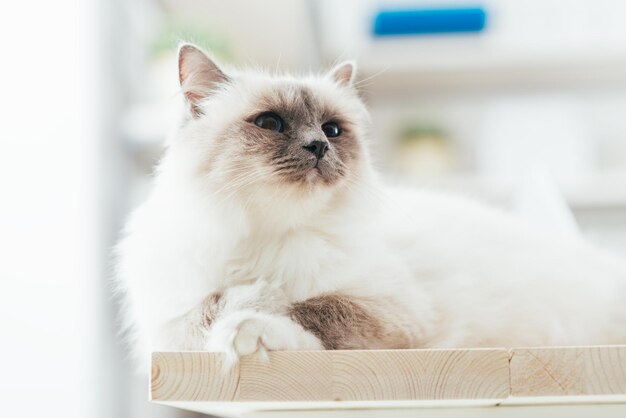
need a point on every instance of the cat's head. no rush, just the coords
(254, 134)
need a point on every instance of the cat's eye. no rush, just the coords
(331, 130)
(270, 121)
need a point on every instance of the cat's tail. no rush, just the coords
(539, 200)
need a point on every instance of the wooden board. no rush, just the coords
(334, 376)
(557, 371)
(393, 380)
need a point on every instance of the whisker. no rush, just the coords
(360, 82)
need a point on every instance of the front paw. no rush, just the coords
(247, 332)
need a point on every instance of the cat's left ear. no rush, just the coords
(199, 76)
(343, 74)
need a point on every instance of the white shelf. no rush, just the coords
(534, 42)
(602, 190)
(401, 67)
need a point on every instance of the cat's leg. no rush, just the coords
(342, 321)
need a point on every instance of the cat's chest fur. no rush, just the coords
(298, 261)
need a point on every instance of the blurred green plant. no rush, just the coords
(175, 31)
(414, 131)
(423, 150)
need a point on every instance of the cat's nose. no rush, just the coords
(318, 148)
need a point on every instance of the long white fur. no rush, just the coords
(471, 275)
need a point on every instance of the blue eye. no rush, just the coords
(270, 121)
(331, 130)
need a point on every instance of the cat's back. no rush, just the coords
(465, 231)
(446, 216)
(473, 258)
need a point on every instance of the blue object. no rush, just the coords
(429, 21)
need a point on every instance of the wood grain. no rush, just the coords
(554, 371)
(192, 376)
(393, 375)
(420, 374)
(288, 376)
(334, 376)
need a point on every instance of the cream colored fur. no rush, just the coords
(469, 275)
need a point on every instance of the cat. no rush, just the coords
(268, 229)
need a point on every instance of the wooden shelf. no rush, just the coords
(403, 381)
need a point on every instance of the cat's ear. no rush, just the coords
(344, 73)
(199, 75)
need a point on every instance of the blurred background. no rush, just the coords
(507, 101)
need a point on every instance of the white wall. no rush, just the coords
(49, 271)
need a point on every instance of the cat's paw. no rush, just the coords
(247, 332)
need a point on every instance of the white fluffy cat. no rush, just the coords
(268, 229)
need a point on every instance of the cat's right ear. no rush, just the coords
(199, 75)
